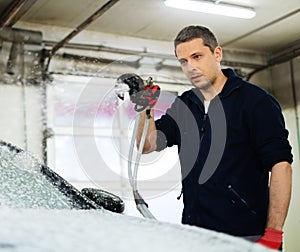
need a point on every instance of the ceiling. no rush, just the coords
(274, 28)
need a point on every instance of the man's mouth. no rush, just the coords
(196, 77)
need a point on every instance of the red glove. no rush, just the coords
(151, 93)
(147, 98)
(271, 239)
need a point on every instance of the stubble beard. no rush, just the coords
(204, 84)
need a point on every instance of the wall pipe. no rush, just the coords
(95, 60)
(13, 58)
(140, 53)
(21, 36)
(114, 77)
(275, 61)
(102, 48)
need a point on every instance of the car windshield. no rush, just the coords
(26, 183)
(22, 185)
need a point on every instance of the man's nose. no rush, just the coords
(190, 66)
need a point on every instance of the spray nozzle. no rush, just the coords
(129, 82)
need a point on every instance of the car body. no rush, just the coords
(40, 211)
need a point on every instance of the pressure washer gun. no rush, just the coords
(144, 97)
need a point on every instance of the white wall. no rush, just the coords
(20, 114)
(292, 226)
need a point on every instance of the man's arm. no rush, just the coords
(150, 142)
(280, 194)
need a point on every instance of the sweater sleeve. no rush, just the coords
(268, 133)
(167, 128)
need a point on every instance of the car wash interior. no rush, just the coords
(59, 62)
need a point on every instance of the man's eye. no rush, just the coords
(182, 62)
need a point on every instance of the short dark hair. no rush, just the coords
(196, 31)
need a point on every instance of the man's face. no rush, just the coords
(198, 62)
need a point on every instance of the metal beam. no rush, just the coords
(83, 25)
(14, 12)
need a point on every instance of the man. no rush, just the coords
(241, 130)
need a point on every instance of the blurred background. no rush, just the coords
(59, 61)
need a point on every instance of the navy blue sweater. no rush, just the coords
(226, 154)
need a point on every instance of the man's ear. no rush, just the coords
(218, 52)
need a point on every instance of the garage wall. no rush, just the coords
(278, 80)
(282, 78)
(20, 114)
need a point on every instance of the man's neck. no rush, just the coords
(213, 90)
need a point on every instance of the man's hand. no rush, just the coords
(146, 98)
(271, 239)
(143, 96)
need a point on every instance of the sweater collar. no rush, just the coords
(233, 82)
